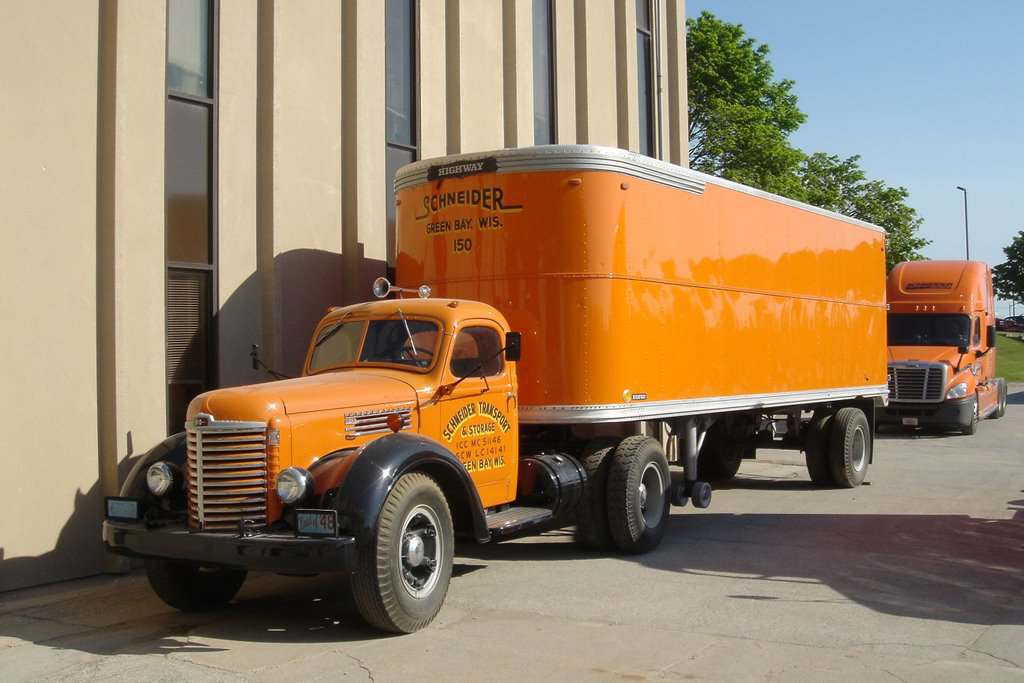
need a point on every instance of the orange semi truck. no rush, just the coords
(942, 346)
(569, 319)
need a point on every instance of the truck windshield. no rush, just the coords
(386, 341)
(928, 329)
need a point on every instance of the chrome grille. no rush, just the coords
(917, 383)
(375, 421)
(227, 473)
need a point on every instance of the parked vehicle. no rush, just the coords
(578, 317)
(942, 346)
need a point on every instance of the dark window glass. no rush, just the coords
(977, 331)
(405, 342)
(188, 182)
(399, 65)
(645, 68)
(188, 47)
(336, 345)
(543, 75)
(394, 159)
(188, 340)
(929, 329)
(477, 352)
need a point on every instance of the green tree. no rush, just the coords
(841, 185)
(1008, 276)
(740, 116)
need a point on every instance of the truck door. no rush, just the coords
(479, 420)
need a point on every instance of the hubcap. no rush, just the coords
(651, 495)
(860, 449)
(422, 549)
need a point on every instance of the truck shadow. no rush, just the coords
(1016, 398)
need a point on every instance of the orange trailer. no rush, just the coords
(578, 317)
(942, 346)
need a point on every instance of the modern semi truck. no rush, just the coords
(567, 321)
(942, 346)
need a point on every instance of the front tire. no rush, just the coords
(638, 498)
(971, 428)
(189, 587)
(400, 585)
(850, 448)
(1001, 405)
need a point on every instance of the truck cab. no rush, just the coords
(942, 346)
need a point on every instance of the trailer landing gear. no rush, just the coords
(697, 491)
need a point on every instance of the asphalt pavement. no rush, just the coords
(916, 576)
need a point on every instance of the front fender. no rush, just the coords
(379, 465)
(172, 449)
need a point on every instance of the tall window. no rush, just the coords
(402, 145)
(190, 194)
(543, 74)
(645, 74)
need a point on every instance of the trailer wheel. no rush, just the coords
(592, 521)
(400, 585)
(849, 447)
(1001, 401)
(189, 587)
(816, 450)
(638, 499)
(720, 458)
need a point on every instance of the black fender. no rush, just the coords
(172, 449)
(378, 466)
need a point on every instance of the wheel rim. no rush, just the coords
(651, 495)
(859, 449)
(421, 551)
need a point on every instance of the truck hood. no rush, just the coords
(925, 354)
(327, 391)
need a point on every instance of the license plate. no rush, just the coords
(122, 508)
(316, 522)
(910, 421)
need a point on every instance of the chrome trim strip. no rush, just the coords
(626, 412)
(611, 159)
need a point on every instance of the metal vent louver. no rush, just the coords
(375, 421)
(917, 383)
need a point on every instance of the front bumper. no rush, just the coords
(949, 413)
(281, 553)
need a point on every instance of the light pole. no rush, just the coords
(967, 234)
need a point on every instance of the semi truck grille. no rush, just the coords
(227, 473)
(921, 383)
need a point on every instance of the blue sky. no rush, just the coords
(930, 94)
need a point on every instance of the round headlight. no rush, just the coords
(293, 484)
(159, 478)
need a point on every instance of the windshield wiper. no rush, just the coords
(405, 322)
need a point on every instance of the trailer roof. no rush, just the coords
(591, 158)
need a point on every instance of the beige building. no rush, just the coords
(182, 179)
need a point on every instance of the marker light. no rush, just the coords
(424, 291)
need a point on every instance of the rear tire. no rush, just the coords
(592, 521)
(191, 588)
(638, 496)
(816, 449)
(850, 447)
(401, 584)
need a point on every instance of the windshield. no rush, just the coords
(396, 342)
(928, 329)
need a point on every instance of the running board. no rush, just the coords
(516, 519)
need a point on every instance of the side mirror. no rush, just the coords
(991, 336)
(513, 346)
(962, 349)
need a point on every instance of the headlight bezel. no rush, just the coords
(959, 390)
(299, 483)
(160, 478)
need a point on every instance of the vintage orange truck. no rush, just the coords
(942, 346)
(569, 320)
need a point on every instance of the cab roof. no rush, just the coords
(449, 311)
(952, 282)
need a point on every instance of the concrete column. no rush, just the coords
(596, 116)
(517, 72)
(565, 71)
(677, 116)
(300, 223)
(365, 191)
(626, 81)
(475, 107)
(432, 105)
(48, 275)
(239, 318)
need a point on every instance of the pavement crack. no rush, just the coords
(362, 665)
